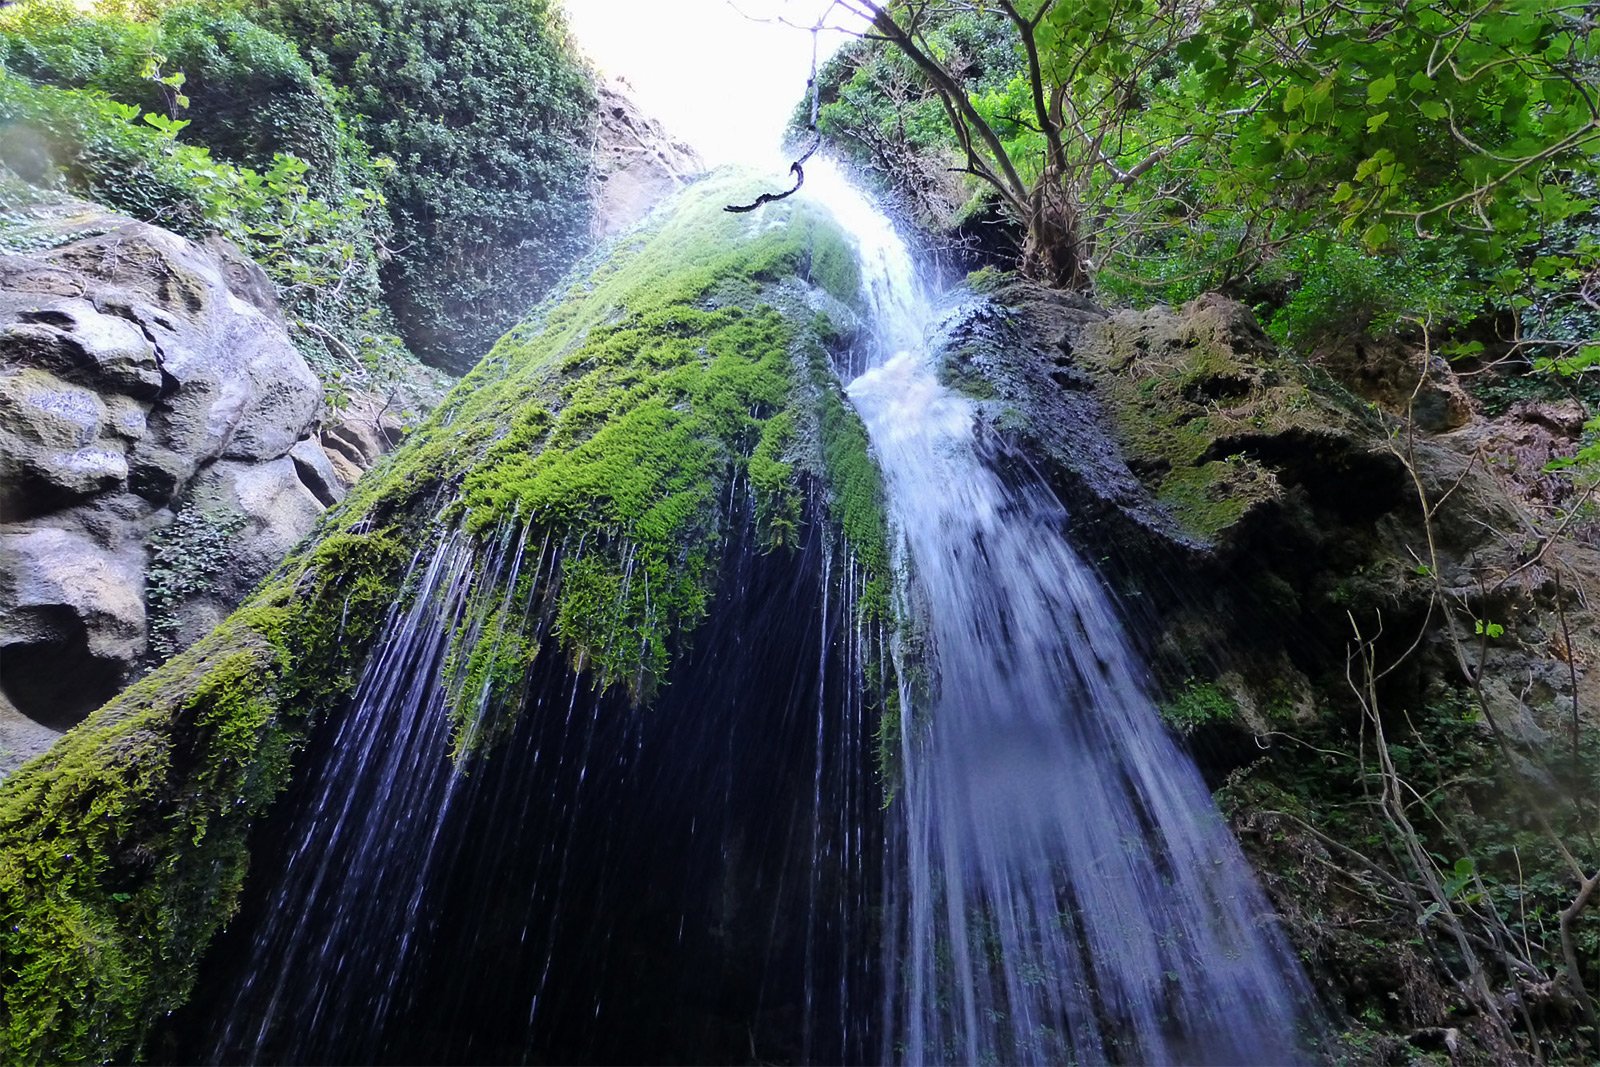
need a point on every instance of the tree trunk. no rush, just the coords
(1054, 252)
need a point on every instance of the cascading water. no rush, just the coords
(683, 883)
(1061, 886)
(703, 880)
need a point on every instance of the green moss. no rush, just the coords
(1213, 496)
(1188, 395)
(1199, 704)
(122, 851)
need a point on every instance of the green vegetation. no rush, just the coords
(1342, 168)
(486, 114)
(124, 850)
(186, 558)
(1188, 398)
(1349, 887)
(316, 230)
(1198, 704)
(619, 414)
(609, 429)
(399, 167)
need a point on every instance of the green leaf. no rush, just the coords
(1376, 236)
(1344, 192)
(1433, 109)
(1376, 121)
(1378, 91)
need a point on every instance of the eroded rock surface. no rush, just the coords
(637, 163)
(142, 377)
(1263, 501)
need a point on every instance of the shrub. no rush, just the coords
(316, 251)
(244, 91)
(486, 113)
(1340, 290)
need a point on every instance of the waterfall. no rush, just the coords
(715, 877)
(1061, 887)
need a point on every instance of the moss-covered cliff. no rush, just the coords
(689, 363)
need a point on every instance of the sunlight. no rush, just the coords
(724, 75)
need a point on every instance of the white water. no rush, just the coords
(1060, 884)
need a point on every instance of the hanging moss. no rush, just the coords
(612, 429)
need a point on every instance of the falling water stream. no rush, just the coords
(1062, 887)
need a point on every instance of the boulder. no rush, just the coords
(72, 619)
(142, 376)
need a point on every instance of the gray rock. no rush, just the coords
(73, 339)
(277, 508)
(52, 451)
(72, 622)
(141, 374)
(316, 471)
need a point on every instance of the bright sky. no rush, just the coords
(724, 82)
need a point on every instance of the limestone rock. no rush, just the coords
(139, 373)
(52, 452)
(365, 430)
(72, 619)
(637, 163)
(316, 473)
(277, 508)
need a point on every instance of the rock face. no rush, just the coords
(142, 377)
(1257, 512)
(636, 162)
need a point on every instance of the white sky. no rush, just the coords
(715, 78)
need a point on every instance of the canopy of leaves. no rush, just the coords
(1198, 140)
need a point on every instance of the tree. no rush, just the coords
(1130, 121)
(487, 113)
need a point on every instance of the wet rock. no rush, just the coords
(1255, 514)
(1400, 377)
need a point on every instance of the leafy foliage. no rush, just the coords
(1159, 148)
(485, 113)
(186, 558)
(113, 119)
(243, 91)
(1198, 704)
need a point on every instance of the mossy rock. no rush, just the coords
(1200, 398)
(689, 363)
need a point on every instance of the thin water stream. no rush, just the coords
(1061, 887)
